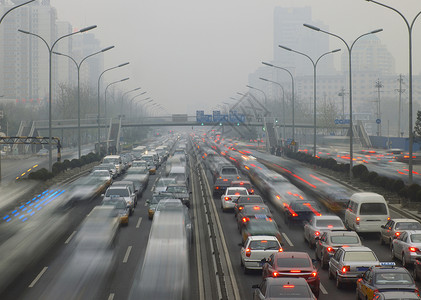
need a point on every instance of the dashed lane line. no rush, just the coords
(126, 257)
(322, 288)
(287, 239)
(138, 222)
(38, 277)
(111, 296)
(70, 237)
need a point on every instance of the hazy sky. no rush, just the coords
(193, 54)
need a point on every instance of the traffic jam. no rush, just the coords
(352, 245)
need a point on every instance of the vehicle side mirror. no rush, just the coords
(382, 227)
(317, 238)
(255, 286)
(148, 201)
(263, 260)
(136, 191)
(360, 275)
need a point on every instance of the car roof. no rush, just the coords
(240, 181)
(236, 188)
(404, 220)
(356, 249)
(326, 217)
(341, 232)
(122, 182)
(389, 269)
(285, 280)
(262, 237)
(292, 254)
(413, 231)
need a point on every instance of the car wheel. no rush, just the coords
(330, 275)
(338, 282)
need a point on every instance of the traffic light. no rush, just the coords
(202, 124)
(220, 124)
(264, 128)
(238, 123)
(276, 120)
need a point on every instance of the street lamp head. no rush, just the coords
(377, 30)
(88, 28)
(250, 87)
(136, 89)
(264, 79)
(142, 93)
(267, 64)
(241, 94)
(336, 50)
(312, 27)
(122, 65)
(58, 53)
(286, 48)
(24, 31)
(127, 78)
(108, 48)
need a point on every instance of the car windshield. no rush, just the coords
(119, 192)
(344, 240)
(177, 189)
(296, 262)
(329, 223)
(416, 238)
(359, 256)
(117, 203)
(395, 278)
(373, 209)
(408, 226)
(165, 182)
(288, 291)
(263, 245)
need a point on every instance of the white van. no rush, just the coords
(366, 212)
(116, 160)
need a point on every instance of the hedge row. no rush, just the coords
(412, 192)
(58, 167)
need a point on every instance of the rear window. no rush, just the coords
(408, 226)
(242, 200)
(119, 192)
(360, 256)
(237, 192)
(393, 278)
(416, 238)
(373, 209)
(329, 223)
(263, 245)
(252, 210)
(301, 262)
(229, 171)
(289, 291)
(344, 240)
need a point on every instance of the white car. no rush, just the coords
(231, 193)
(406, 247)
(256, 248)
(319, 224)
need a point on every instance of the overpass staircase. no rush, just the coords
(271, 138)
(26, 128)
(360, 135)
(114, 133)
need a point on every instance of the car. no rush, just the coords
(293, 264)
(132, 188)
(107, 166)
(330, 241)
(116, 160)
(393, 228)
(244, 200)
(251, 211)
(406, 247)
(349, 263)
(179, 191)
(162, 183)
(283, 288)
(43, 152)
(230, 195)
(257, 248)
(393, 295)
(319, 224)
(121, 206)
(221, 185)
(260, 225)
(300, 210)
(243, 183)
(152, 203)
(122, 191)
(103, 175)
(383, 278)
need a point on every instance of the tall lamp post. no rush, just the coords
(411, 133)
(134, 97)
(122, 98)
(78, 65)
(253, 88)
(99, 94)
(292, 98)
(351, 128)
(50, 50)
(314, 86)
(105, 95)
(283, 101)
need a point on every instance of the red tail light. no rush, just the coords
(227, 198)
(245, 220)
(240, 207)
(314, 274)
(346, 269)
(414, 249)
(295, 271)
(288, 286)
(397, 234)
(280, 250)
(357, 221)
(329, 249)
(317, 233)
(275, 274)
(248, 252)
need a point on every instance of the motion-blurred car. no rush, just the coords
(330, 241)
(243, 183)
(293, 264)
(162, 183)
(231, 194)
(319, 224)
(384, 278)
(349, 263)
(132, 188)
(179, 191)
(260, 225)
(152, 203)
(103, 175)
(120, 205)
(121, 191)
(245, 200)
(283, 288)
(299, 211)
(257, 248)
(406, 247)
(394, 227)
(250, 211)
(107, 166)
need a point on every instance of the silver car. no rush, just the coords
(394, 227)
(319, 224)
(349, 263)
(407, 247)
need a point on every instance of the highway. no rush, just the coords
(215, 271)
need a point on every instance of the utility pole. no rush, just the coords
(378, 85)
(400, 91)
(342, 94)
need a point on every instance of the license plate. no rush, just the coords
(362, 268)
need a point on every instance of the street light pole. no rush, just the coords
(105, 95)
(351, 128)
(122, 98)
(292, 98)
(410, 132)
(78, 65)
(283, 102)
(50, 50)
(314, 88)
(99, 113)
(131, 101)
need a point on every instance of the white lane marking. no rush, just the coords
(70, 237)
(38, 277)
(138, 222)
(287, 239)
(151, 189)
(111, 297)
(126, 257)
(322, 288)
